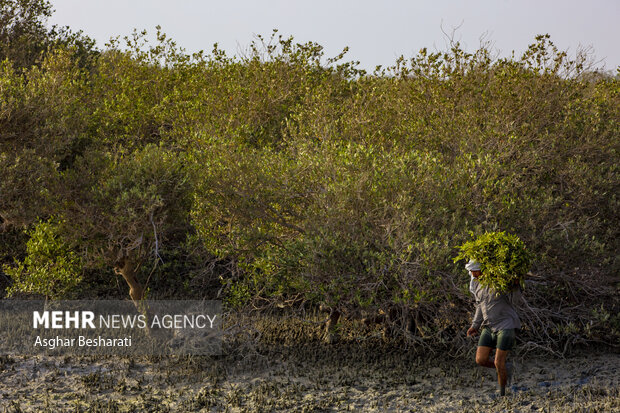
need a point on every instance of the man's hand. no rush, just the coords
(472, 332)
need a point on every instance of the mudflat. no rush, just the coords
(302, 378)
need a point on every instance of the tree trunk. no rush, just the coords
(127, 270)
(331, 332)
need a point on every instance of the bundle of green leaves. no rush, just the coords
(503, 259)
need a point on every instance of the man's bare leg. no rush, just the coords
(482, 357)
(500, 366)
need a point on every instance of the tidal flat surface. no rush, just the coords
(306, 378)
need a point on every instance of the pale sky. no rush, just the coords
(377, 32)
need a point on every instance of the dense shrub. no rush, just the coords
(305, 180)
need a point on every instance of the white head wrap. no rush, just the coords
(472, 266)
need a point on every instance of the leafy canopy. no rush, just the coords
(503, 259)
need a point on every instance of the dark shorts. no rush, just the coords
(501, 339)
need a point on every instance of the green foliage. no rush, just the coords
(128, 205)
(503, 259)
(25, 39)
(50, 267)
(23, 34)
(303, 178)
(43, 113)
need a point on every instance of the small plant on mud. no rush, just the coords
(503, 259)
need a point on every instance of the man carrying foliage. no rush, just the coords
(496, 314)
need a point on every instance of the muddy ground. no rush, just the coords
(308, 377)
